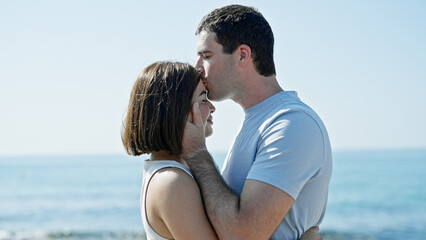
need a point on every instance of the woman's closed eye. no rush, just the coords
(203, 94)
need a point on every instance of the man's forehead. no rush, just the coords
(205, 34)
(206, 40)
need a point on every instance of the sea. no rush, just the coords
(375, 194)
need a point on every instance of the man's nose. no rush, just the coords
(199, 66)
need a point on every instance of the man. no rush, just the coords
(276, 175)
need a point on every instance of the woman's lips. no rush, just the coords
(210, 120)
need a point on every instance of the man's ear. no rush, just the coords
(244, 52)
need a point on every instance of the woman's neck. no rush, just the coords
(164, 156)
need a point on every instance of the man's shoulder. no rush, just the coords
(286, 114)
(283, 103)
(288, 107)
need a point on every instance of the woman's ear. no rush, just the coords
(189, 118)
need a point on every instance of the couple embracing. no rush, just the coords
(274, 182)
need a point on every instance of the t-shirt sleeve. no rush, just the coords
(290, 152)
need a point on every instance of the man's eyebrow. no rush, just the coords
(204, 51)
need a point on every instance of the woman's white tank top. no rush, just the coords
(150, 168)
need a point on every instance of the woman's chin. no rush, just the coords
(208, 132)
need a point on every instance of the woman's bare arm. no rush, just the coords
(174, 197)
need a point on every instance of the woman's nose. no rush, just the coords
(212, 108)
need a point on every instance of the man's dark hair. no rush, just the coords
(158, 108)
(235, 25)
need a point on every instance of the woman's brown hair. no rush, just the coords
(158, 108)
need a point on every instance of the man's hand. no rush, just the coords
(193, 137)
(311, 234)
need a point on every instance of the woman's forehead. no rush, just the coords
(200, 87)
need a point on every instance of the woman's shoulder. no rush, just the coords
(171, 177)
(171, 183)
(174, 202)
(151, 167)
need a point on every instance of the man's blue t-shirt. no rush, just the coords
(283, 142)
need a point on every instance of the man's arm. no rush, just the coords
(311, 234)
(253, 215)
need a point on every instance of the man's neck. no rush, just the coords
(257, 91)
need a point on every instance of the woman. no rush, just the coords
(160, 104)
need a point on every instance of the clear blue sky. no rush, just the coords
(67, 67)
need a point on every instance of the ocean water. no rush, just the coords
(373, 195)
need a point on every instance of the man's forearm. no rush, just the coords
(221, 203)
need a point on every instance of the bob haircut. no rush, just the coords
(158, 108)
